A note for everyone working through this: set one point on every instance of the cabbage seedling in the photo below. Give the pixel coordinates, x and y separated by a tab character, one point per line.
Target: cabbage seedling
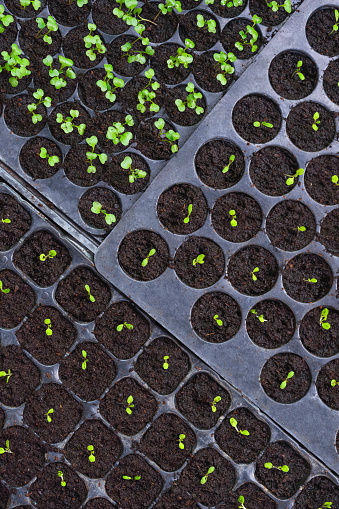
9	374
169	6
118	134
6	450
48	331
316	121
241	501
231	3
39	94
203	480
323	319
191	100
254	271
128	326
145	260
63	482
51	25
88	290
106	86
336	25
297	71
91	457
58	80
165	364
67	124
36	4
97	208
51	255
91	156
52	160
274	6
48	415
284	468
189	212
335	180
210	24
182	57
233	215
214	403
311	280
127	16
80	3
5	19
300	228
217	319
224	68
146	95
137	55
181	441
284	383
7	221
260	317
230	161
290	180
326	505
129	405
2	289
171	136
134	174
199	260
334	383
250	30
234	424
128	478
15	65
93	43
85	360
263	124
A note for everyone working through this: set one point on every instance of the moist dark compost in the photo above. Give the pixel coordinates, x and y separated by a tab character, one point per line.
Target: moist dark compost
15	221
319	179
320	32
330	81
319	331
16	302
231	35
36	166
329	235
203	38
109	205
316	491
327	384
129	180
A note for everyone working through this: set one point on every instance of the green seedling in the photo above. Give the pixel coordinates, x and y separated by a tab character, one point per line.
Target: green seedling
61	475
97	208
297	71
326	505
214	403
128	478
300	228
316	121
7	221
284	383
189	212
48	331
234	424
311	280
250	31
91	156
15	65
67	124
336	25
147	96
165	364
85	359
52	160
210	24
230	161
169	6
39	96
231	3
334	383
254	271
51	255
5	19
129	17
263	124
284	468
182	57
137	55
290	180
181	441
145	260
93	43
88	290
80	3
191	100
275	6
9	374
171	136
36	4
203	480
241	501
260	317
128	326
2	289
217	319
134	174
335	180
199	260
91	457
58	76
48	415
233	215
106	86
323	319
117	132
51	25
6	450
129	405
222	65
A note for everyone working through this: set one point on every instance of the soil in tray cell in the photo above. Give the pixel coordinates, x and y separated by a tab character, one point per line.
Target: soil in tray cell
131	179
142	484
202	37
329	235
242	436
330	81
206	70
36	166
15	303
266	13
101	124
74	47
254	498
320	32
119	59
162	27
99	503
7	88
83	118
129	96
317	491
27	12
163	365
168	433
8	36
320	179
19	120
93	449
202	401
76	167
15	221
176	498
87	371
230	36
225	10
319	331
190	116
164	74
152	142
113	406
327	384
90	93
42	80
106	21
280	483
4	496
105	215
32	43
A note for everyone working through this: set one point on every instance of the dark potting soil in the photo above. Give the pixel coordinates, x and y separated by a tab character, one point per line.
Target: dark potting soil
256	108
176	498
74	47
231	34
211	307
24	12
69	14
226	11
318	179
4	496
32	43
47	349
42	80
24	376
19	120
119	59
129	96
188	266
205	72
270	168
219	482
202	38
101	123
89	383
2	418
194	400
150	365
135	248
330	81
163	73
284	75
242	265
243	448
6	87
316	491
282	225
18	302
276	370
245	221
76	165
110	204
151	142
255	498
172	209
47	491
98	503
163	26
7	38
72	295
134	493
282	484
189	116
34	165
320	34
28	258
113	407
20	221
328	394
27	458
299	270
73	137
329	234
299	126
119	177
278	326
317	340
126	343
162	436
91	94
269	18
107	448
214	157
106	21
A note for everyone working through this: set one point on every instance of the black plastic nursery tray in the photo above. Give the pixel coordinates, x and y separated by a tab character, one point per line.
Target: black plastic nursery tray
228	347
64	193
89	409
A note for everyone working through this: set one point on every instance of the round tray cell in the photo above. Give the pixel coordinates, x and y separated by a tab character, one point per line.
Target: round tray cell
330	81
74	47
8	37
204	37
320	179
255	495
23	83
105	20
101	124
99	503
253	270
119	59
293	74
90	93
270	323
319	331
16	303
76	167
130	178
69	14
18	221
256	118
229	9
290	225
206	70
182	209
162	365
242	447
266	13
329	232
327	384
286	378
78	133
152	142
230	38
270	169
36	166
236	217
42	80
19	120
100	208
307	277
163	26
317	490
164	74
176	497
32	43
199	262
280	483
144	255
129	97
310	126
320	33
216	317
220	163
24	12
185	93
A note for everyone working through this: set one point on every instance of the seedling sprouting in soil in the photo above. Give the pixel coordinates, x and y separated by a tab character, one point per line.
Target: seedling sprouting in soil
91	457
316	121
260	317
171	136
128	326
233	215
169	6
67	124
9	374
275	6
254	271
284	383
5	19
48	415
334	383
145	95
137	55
297	71
2	289
129	405
7	221
15	65
250	31
51	255
6	450
97	208
91	156
230	161
241	501
48	331
284	468
88	290
263	124
117	132
217	319
323	319
234	424
210	24
58	80
335	180
80	3
300	228
106	86
326	505
181	441
39	96
130	16
85	359
134	478
36	4
165	364
93	43
336	25
191	100
134	174
144	262
199	260
290	180
182	57
61	475
214	403
189	212
311	280
203	480
223	67
51	26
52	160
